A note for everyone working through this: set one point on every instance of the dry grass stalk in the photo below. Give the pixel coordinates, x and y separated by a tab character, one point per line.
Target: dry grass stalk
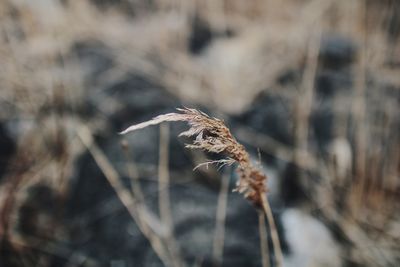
219	235
164	199
212	135
148	224
263	240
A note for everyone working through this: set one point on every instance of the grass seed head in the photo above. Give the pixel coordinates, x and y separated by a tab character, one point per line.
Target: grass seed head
212	135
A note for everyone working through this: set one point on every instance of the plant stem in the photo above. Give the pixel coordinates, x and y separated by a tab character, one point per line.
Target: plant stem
263	239
274	232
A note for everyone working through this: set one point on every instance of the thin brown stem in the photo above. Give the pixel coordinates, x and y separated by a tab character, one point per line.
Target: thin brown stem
263	239
274	232
124	195
164	198
163	177
359	111
219	236
305	102
133	173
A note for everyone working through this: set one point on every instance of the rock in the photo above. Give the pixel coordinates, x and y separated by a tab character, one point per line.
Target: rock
200	36
336	52
269	114
7	149
95	58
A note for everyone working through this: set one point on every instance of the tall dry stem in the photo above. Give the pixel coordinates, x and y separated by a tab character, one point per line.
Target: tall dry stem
164	199
139	213
263	239
219	235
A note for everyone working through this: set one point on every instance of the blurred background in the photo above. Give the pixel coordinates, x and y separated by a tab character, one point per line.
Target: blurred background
310	87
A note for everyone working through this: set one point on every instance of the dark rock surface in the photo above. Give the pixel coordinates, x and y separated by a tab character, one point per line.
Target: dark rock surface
7	148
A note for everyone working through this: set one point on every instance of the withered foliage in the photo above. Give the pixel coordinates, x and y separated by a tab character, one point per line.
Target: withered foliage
212	135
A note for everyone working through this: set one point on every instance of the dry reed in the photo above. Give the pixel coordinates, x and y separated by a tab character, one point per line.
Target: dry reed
212	135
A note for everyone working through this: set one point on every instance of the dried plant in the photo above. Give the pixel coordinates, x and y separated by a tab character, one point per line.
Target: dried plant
212	135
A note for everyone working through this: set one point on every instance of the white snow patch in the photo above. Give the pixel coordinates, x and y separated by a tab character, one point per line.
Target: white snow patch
310	242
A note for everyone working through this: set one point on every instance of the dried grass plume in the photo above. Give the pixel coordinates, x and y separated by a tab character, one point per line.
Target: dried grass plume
212	135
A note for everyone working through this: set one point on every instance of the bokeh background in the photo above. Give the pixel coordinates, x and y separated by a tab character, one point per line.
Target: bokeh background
310	87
